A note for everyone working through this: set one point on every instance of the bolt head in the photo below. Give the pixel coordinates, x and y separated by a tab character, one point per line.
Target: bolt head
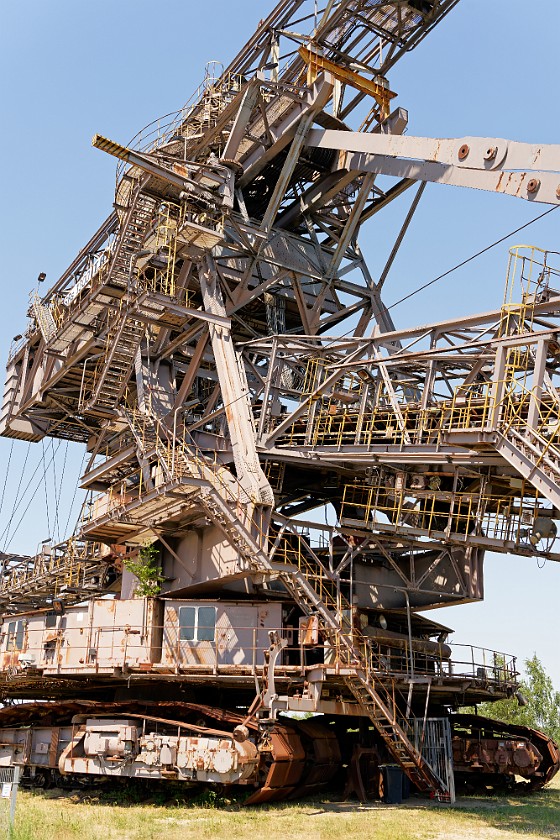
464	151
533	185
491	153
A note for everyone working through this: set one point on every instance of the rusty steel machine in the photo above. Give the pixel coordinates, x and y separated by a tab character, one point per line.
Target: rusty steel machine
279	479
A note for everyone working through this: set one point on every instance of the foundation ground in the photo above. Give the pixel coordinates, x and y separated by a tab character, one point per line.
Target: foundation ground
86	816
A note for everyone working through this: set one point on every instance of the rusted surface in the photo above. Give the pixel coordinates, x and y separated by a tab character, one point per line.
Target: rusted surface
296	758
283	763
323	757
303	758
484	748
196	485
59	713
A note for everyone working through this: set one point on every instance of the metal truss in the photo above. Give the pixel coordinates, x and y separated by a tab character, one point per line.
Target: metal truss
190	344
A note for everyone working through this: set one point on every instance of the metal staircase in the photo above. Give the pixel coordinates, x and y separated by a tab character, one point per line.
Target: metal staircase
223	498
534	457
125	332
311	585
315	590
134	228
43	316
123	342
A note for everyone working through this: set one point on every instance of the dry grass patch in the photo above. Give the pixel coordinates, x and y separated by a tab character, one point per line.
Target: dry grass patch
66	817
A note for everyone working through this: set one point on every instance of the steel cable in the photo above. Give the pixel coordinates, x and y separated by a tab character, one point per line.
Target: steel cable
473	257
6	475
75	493
58	496
16	497
16	507
45	486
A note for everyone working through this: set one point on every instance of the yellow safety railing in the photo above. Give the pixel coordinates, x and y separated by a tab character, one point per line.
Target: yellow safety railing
528	281
458	514
63	565
335	419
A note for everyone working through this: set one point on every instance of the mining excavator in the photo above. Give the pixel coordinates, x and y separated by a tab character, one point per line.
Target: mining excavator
280	481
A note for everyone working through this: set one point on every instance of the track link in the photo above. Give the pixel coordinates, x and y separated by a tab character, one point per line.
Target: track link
297	757
487	750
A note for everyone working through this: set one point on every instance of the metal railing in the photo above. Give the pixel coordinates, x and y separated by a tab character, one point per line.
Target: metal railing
205	105
460	515
337	419
90	646
68	564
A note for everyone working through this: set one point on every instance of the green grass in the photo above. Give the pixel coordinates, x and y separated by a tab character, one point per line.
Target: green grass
82	817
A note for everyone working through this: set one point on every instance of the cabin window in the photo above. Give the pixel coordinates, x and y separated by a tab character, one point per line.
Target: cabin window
10	638
187	622
16	633
50	650
50	619
197	624
206	629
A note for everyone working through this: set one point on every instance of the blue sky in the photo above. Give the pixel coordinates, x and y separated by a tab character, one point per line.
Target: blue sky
70	69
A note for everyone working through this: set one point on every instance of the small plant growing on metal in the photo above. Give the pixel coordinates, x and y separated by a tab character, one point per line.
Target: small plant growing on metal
145	568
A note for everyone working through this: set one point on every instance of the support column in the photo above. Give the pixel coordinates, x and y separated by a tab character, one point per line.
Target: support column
498	385
537	383
234	390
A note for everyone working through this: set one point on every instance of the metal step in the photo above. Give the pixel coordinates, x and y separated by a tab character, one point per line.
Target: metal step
534	460
377	701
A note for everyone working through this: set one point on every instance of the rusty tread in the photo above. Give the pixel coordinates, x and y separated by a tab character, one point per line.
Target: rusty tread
548	748
301	756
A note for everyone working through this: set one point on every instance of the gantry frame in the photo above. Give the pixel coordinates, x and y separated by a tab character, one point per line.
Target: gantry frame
189	344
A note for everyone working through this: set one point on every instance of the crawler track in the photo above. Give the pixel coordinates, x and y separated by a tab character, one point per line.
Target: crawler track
301	757
297	758
473	733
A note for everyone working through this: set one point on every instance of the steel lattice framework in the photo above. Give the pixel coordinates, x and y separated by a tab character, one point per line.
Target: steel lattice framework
192	345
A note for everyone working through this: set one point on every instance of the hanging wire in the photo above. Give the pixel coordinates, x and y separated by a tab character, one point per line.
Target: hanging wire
17	501
74	496
20	502
6	476
45	488
473	257
56	490
58	497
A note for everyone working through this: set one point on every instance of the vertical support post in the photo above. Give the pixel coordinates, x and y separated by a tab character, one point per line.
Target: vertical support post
174	442
430	376
267	388
537	383
409	623
498	385
235	392
409	699
13	798
275	58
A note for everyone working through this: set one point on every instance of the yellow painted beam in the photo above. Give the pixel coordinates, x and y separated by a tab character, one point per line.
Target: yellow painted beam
381	94
109	146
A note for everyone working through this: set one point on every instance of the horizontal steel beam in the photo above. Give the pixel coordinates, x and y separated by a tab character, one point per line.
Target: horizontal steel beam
483	163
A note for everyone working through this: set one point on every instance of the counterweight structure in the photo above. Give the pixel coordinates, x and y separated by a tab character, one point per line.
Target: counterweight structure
222	350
